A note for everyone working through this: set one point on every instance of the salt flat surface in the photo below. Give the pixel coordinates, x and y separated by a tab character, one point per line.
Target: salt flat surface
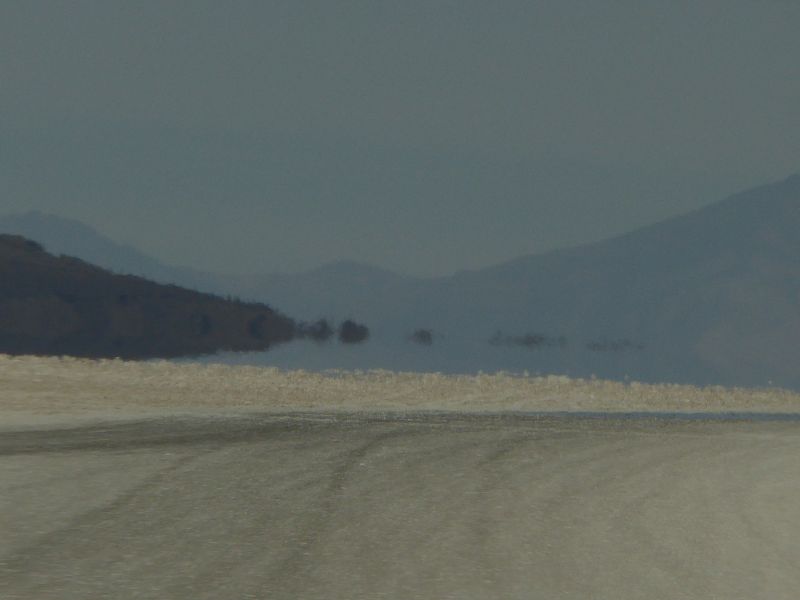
156	480
350	507
50	390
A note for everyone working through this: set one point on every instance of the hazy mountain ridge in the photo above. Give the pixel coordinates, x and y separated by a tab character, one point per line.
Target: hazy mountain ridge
334	290
715	291
712	296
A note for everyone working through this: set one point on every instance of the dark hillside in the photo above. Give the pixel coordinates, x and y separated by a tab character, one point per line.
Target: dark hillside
62	305
60	235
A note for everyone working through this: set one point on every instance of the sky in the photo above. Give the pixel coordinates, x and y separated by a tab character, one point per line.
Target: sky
426	137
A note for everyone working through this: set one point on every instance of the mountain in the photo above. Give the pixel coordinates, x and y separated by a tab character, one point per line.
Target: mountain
69	237
62	305
709	297
339	289
336	290
713	295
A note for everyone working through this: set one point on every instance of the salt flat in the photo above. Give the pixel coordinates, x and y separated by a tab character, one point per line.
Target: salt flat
345	507
152	480
40	390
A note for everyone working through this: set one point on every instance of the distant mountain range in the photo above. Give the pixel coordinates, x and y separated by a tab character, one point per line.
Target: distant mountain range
712	296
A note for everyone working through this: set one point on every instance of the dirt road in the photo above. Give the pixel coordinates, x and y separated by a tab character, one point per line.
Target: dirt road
422	506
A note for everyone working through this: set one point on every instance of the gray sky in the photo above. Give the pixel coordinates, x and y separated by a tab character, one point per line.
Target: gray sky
426	137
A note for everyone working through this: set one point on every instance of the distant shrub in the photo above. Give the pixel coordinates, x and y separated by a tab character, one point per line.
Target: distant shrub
351	332
528	340
319	331
423	337
622	345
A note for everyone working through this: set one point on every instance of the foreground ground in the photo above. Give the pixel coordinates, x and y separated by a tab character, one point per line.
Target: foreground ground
156	480
407	507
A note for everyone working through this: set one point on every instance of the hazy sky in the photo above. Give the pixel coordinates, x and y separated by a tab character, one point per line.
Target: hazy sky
421	136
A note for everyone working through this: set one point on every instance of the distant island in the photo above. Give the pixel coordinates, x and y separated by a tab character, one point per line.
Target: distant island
60	305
